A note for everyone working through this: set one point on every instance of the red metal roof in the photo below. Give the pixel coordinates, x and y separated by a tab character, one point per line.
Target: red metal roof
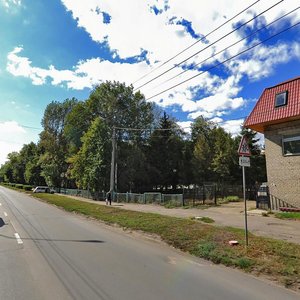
265	113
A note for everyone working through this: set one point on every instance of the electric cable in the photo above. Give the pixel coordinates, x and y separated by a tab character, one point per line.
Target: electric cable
223	50
224	61
208	46
199	40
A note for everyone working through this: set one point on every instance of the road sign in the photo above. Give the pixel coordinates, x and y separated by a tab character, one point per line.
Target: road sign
244	147
244	161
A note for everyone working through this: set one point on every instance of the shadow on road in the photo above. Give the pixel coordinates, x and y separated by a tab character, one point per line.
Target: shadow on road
54	240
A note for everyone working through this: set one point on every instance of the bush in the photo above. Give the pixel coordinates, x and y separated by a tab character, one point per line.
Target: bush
228	199
27	187
233	198
19	186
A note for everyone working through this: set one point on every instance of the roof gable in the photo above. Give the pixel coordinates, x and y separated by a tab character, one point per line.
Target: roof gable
265	113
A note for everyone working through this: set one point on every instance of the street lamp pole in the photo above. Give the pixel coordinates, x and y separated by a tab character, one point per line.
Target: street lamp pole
112	167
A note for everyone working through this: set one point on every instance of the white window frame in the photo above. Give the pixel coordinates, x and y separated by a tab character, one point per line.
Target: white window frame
285	93
290	139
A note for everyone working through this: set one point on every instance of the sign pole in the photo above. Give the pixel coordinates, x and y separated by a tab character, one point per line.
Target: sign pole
245	206
244	161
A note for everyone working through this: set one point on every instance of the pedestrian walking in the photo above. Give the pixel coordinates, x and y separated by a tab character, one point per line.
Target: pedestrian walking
108	198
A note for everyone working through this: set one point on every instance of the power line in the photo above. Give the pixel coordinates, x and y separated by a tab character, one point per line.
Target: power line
224	61
147	129
199	40
24	126
223	50
208	46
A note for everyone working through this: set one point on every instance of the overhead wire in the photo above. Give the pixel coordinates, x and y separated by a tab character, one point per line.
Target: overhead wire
199	40
223	50
24	126
224	61
208	46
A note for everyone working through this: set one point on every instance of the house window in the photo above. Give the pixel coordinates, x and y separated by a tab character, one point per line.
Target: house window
291	145
281	99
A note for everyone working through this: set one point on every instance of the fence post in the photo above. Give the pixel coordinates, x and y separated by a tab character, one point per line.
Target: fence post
215	195
182	199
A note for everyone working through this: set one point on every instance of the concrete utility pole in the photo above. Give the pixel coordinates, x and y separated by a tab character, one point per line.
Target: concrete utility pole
112	167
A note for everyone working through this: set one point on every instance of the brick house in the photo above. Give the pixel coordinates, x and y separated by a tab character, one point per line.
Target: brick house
277	115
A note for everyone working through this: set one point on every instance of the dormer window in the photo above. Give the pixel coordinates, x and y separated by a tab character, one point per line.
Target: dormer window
281	99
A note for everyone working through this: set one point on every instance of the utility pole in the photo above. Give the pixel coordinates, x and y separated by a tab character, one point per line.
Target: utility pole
112	167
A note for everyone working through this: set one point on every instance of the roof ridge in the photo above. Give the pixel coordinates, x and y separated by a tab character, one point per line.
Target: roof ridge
283	82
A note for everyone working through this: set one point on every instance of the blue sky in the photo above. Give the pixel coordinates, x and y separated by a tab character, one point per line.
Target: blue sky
58	49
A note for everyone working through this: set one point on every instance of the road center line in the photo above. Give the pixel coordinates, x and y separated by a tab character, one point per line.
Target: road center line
5	214
19	241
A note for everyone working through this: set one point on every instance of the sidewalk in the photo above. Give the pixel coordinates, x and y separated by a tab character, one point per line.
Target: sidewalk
231	214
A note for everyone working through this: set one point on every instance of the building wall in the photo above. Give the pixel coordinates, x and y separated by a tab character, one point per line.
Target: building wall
283	171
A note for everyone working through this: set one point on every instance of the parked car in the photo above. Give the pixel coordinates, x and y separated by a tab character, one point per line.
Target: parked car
43	189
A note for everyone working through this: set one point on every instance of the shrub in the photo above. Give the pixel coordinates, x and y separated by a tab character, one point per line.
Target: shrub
207	220
27	187
19	186
228	199
233	198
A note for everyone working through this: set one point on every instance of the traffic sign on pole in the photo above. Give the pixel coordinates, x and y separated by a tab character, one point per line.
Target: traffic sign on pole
244	161
244	147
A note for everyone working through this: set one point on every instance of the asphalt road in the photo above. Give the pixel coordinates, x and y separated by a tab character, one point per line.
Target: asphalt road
46	253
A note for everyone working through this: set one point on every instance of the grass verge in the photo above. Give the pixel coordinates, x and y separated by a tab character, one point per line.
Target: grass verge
278	260
204	219
288	215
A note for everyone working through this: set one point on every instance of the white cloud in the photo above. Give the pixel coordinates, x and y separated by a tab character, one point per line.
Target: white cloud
233	126
264	59
185	126
84	75
11	5
10	132
134	27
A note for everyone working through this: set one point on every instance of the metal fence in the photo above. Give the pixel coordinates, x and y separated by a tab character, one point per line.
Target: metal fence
155	198
173	199
150	197
82	193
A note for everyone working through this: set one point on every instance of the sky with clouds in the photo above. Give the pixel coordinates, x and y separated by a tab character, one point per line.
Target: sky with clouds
58	49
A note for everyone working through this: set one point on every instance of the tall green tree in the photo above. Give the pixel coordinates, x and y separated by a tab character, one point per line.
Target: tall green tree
223	156
91	165
165	153
54	143
31	155
203	141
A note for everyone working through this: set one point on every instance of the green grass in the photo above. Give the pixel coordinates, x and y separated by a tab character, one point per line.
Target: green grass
288	215
278	260
204	219
228	199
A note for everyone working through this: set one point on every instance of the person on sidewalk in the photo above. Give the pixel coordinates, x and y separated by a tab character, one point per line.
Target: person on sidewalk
108	198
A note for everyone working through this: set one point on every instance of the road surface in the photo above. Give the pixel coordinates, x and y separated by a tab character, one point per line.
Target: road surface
46	253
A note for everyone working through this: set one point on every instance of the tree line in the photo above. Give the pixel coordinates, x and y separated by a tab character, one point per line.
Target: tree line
153	152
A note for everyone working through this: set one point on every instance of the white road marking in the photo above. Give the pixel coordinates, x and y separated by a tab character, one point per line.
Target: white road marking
18	238
0	204
5	214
